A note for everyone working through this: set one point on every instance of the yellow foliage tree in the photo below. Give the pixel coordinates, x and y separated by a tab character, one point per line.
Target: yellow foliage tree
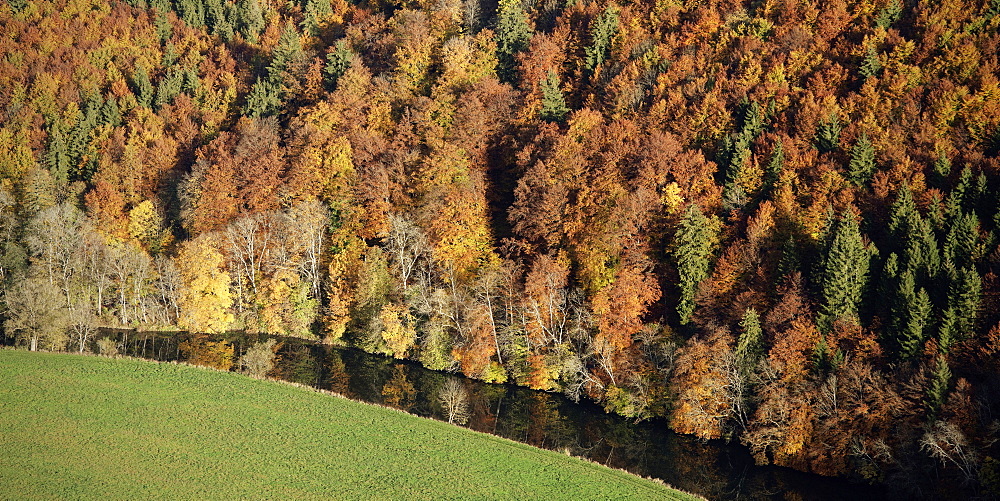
204	298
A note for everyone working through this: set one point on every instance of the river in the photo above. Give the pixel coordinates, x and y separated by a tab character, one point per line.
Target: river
712	469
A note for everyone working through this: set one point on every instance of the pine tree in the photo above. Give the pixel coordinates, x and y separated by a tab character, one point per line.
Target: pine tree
553	104
170	87
772	173
57	159
843	272
942	168
602	31
961	242
695	240
264	99
512	34
965	292
862	165
287	53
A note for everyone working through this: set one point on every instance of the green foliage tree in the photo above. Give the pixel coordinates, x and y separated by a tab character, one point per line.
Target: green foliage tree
938	389
553	103
750	345
828	134
862	164
513	32
602	30
843	273
889	14
249	20
337	63
695	241
870	64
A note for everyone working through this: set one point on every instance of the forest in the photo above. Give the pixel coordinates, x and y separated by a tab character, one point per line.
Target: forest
773	222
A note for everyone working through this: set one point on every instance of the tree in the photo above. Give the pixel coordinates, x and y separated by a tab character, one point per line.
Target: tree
258	360
862	164
203	297
602	30
454	400
513	34
843	273
337	63
553	104
36	313
695	240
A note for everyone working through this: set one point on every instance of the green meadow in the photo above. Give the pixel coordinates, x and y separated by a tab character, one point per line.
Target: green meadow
76	427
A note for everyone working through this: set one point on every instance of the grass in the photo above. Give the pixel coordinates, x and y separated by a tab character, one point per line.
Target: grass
75	427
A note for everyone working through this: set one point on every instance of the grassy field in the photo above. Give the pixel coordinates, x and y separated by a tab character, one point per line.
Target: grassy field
76	427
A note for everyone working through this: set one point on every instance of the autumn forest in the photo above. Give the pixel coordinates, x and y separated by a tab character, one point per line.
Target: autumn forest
773	222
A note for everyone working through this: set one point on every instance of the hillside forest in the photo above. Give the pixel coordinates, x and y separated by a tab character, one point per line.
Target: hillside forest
774	222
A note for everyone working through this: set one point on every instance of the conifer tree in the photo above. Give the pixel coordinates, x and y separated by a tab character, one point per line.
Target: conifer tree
337	63
57	159
843	272
961	242
749	347
828	134
964	298
695	240
911	316
553	103
938	389
142	87
249	20
512	34
870	65
602	31
862	165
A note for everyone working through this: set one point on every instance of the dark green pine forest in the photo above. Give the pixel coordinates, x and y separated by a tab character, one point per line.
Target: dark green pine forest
772	222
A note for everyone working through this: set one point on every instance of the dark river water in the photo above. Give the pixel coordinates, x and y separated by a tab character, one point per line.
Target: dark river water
648	448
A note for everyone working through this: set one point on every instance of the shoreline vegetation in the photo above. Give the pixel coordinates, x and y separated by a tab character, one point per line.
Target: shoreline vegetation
88	427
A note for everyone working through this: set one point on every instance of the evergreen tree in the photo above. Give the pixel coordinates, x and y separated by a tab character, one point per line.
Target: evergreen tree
749	347
313	13
57	159
287	53
938	389
772	172
870	64
249	20
337	63
843	272
862	165
170	87
553	104
192	12
602	31
828	134
142	87
110	113
512	34
911	316
942	168
889	14
694	242
965	292
264	99
961	242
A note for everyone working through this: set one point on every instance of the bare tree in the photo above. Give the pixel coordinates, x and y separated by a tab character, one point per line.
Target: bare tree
454	399
36	311
407	245
305	224
947	443
250	242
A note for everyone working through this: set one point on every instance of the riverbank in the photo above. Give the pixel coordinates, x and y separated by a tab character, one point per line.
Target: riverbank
87	427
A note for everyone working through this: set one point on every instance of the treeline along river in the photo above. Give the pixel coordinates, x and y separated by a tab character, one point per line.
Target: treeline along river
712	469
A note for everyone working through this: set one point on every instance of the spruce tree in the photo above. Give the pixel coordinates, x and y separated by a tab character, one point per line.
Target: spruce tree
938	390
862	164
249	20
911	316
512	35
843	272
870	64
965	293
602	30
942	168
961	242
142	87
337	63
553	103
57	159
749	347
693	252
828	134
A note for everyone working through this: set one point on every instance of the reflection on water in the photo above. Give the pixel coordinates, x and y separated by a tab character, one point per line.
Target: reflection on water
713	470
